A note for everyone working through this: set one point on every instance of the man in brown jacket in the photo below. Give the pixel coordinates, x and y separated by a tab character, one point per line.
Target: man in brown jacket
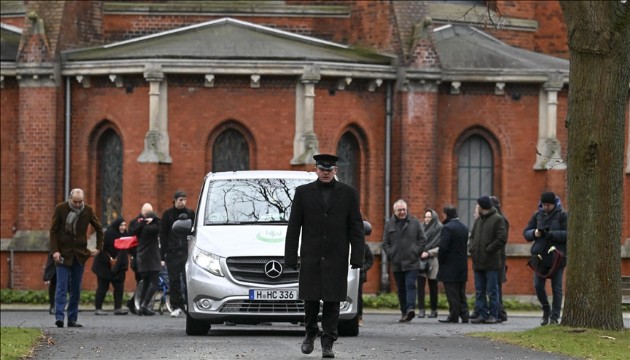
68	244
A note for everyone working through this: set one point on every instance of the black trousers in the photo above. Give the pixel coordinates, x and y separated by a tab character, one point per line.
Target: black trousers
433	293
149	286
176	267
52	288
102	287
456	296
330	319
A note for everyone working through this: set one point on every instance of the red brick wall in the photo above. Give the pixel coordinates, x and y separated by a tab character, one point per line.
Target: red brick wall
9	115
36	137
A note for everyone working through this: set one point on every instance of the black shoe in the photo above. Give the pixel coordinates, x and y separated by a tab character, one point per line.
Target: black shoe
553	322
327	352
307	344
73	323
433	314
448	320
545	318
410	315
478	320
146	311
59	323
490	320
473	316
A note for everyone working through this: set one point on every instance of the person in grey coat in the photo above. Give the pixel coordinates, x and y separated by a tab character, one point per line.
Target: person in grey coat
453	259
487	239
403	242
432	228
328	215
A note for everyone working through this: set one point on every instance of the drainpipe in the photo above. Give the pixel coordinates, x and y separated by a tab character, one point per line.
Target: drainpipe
66	160
388	154
10	269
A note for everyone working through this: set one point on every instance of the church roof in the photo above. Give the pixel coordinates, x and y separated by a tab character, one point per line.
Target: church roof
465	48
228	39
9	42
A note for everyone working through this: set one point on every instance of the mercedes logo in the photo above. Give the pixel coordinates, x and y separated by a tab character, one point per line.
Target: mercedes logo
273	269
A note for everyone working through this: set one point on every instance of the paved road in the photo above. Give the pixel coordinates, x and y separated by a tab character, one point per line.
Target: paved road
162	337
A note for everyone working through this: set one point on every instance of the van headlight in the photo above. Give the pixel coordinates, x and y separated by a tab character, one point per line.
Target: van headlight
207	261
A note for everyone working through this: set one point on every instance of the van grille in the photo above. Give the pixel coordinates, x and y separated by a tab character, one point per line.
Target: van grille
259	306
252	270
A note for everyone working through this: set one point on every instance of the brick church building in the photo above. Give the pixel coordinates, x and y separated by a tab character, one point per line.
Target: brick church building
435	102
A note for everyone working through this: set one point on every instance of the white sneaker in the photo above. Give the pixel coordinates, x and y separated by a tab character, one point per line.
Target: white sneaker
176	312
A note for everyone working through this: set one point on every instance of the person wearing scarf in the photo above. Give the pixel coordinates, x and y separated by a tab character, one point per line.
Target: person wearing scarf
432	228
68	244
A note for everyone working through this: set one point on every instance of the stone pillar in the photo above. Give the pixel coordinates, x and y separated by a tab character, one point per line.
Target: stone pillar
156	142
548	149
305	143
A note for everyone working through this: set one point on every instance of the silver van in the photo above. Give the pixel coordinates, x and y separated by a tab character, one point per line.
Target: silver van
235	270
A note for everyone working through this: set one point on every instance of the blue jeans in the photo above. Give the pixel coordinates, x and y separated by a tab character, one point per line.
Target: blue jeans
556	289
487	288
72	275
406	284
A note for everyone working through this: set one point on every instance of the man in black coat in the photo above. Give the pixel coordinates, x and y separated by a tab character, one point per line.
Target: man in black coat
174	250
327	213
453	269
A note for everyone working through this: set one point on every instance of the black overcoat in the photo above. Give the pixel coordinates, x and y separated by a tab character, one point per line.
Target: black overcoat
101	264
327	235
453	255
148	250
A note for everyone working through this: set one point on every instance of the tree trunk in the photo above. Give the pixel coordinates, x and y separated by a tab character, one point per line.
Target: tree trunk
599	44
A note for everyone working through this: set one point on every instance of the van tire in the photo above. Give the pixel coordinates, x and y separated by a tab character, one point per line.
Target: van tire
196	327
348	327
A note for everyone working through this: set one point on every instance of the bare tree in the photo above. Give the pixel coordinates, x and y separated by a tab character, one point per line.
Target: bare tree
599	44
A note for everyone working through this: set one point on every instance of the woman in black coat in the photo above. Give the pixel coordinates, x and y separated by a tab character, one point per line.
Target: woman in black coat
50	279
148	257
110	266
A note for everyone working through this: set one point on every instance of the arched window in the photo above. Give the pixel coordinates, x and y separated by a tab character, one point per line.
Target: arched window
109	182
474	176
348	165
230	152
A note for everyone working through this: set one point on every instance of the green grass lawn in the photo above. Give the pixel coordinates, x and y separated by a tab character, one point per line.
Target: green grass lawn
15	343
582	343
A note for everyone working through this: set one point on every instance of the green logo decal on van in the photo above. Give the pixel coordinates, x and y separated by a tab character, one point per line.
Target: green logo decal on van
271	236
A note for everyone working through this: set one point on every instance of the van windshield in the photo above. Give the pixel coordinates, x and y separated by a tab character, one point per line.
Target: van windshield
250	201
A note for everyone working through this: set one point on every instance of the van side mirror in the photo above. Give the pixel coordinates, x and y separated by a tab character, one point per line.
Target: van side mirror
367	228
182	227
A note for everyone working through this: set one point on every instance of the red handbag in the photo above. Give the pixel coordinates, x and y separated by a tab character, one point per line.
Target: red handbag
126	242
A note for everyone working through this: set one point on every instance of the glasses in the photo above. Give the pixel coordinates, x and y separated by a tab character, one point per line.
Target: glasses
400	210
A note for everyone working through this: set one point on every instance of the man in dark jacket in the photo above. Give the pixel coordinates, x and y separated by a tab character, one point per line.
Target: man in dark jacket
547	228
486	241
328	215
403	242
453	265
174	250
68	244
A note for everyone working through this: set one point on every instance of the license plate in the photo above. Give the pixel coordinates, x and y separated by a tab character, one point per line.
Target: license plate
273	294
